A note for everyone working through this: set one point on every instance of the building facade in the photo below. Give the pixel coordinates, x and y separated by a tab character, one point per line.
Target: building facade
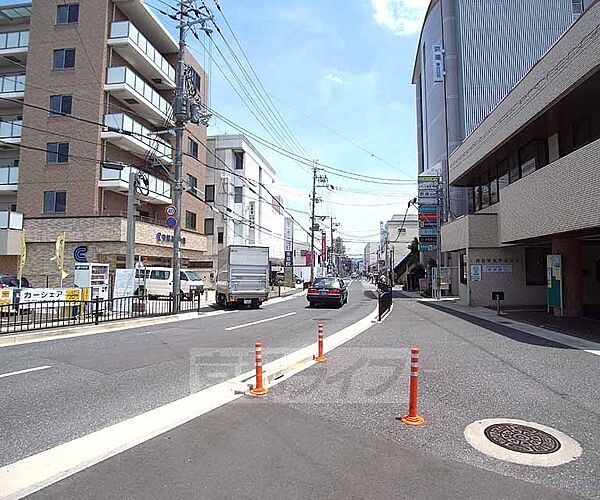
85	98
240	187
371	256
531	168
470	54
400	231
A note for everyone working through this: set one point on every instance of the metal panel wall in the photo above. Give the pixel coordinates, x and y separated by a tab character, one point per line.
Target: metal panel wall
500	41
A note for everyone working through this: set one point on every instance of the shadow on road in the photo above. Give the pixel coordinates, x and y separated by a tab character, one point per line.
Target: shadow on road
505	331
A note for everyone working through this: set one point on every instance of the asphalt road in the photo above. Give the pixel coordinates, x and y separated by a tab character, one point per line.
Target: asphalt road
97	380
331	431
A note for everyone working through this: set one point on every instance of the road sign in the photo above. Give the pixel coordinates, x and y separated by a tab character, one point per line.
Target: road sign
171	221
427	239
426	247
428	209
171	210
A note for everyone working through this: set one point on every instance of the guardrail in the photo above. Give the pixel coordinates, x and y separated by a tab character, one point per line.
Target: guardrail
21	316
384	299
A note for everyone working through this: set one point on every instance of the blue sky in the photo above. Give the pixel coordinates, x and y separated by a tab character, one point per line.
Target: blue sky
344	64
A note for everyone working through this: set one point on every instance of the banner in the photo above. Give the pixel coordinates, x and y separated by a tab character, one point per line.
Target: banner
59	256
22	257
323	246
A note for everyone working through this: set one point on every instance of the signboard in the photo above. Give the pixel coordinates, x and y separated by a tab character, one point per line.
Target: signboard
428	209
497	295
288	260
79	254
171	221
323	246
428	217
498	268
438	62
6	298
554	286
309	258
167	238
124	287
427	247
476	273
49	294
428	239
288	233
170	210
427	224
428	232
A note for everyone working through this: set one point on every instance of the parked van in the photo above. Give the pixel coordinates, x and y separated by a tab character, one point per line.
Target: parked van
158	282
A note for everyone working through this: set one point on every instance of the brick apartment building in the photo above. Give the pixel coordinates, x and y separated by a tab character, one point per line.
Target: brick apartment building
66	69
532	170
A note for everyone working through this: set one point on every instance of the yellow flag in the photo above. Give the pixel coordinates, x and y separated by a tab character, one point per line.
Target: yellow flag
59	255
23	256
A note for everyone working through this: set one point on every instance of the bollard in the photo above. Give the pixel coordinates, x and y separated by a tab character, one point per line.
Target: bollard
413	418
320	356
258	389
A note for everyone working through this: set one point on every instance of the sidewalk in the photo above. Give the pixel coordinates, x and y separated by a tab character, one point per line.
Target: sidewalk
331	431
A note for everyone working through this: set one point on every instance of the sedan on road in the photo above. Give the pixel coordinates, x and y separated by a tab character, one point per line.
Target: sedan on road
328	291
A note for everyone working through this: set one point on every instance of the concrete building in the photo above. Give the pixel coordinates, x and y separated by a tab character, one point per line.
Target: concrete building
67	69
240	185
400	233
371	254
531	168
470	55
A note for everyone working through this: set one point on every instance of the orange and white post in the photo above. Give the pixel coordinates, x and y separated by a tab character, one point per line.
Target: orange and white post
320	356
258	389
413	417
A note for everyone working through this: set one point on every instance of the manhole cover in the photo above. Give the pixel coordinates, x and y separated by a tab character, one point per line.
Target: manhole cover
522	439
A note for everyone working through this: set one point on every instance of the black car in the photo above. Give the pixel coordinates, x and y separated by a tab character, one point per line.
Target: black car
13	282
329	291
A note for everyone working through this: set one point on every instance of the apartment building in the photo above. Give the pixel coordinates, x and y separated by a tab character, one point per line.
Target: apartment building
400	232
470	54
371	254
85	87
531	168
240	186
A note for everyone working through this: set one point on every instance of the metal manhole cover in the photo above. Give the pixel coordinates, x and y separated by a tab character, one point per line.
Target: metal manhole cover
522	438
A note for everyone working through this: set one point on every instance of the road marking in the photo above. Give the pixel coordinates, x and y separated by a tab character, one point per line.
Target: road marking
37	368
258	322
38	471
597	353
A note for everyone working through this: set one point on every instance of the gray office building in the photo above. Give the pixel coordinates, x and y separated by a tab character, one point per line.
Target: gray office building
471	53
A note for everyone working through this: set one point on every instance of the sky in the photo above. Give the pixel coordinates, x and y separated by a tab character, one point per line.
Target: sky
339	72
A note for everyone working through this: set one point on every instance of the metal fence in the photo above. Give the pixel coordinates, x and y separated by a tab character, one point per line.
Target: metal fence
28	316
384	299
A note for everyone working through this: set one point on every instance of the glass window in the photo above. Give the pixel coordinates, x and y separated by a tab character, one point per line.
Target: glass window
493	186
57	152
535	266
220	237
196	80
183	276
55	201
192	184
577	6
485	191
502	174
238	229
209	226
159	274
209	192
190	220
192	148
581	133
463	268
528	158
477	198
64	59
238	194
61	105
239	159
66	14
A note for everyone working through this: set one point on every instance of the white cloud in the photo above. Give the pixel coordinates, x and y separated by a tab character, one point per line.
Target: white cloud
401	17
333	78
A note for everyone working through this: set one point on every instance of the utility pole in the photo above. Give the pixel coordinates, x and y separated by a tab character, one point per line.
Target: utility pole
182	112
312	224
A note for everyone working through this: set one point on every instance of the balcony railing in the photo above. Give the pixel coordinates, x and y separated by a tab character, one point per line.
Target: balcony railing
136	85
12	84
121	122
9	176
10	129
14	40
126	30
11	220
158	190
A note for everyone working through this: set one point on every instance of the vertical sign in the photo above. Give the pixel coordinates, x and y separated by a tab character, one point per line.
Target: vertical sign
323	247
428	186
554	291
252	219
438	63
288	242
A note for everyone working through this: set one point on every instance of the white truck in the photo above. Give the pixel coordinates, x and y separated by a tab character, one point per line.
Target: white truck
242	276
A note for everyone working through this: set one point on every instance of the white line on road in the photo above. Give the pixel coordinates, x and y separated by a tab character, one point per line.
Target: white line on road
37	368
261	321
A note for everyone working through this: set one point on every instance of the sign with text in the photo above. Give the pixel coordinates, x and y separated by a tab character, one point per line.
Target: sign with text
438	62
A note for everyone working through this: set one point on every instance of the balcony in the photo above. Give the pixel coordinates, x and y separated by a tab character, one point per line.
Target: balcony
11	229
10	133
14	43
12	87
479	230
159	191
125	133
9	178
127	86
134	47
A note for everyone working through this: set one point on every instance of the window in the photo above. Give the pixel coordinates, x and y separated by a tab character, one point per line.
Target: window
64	59
577	6
535	266
55	202
485	191
533	156
192	148
463	268
190	220
61	105
220	237
192	183
581	133
209	226
493	187
477	198
57	152
238	194
502	174
196	80
238	229
159	274
239	159
66	14
209	192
